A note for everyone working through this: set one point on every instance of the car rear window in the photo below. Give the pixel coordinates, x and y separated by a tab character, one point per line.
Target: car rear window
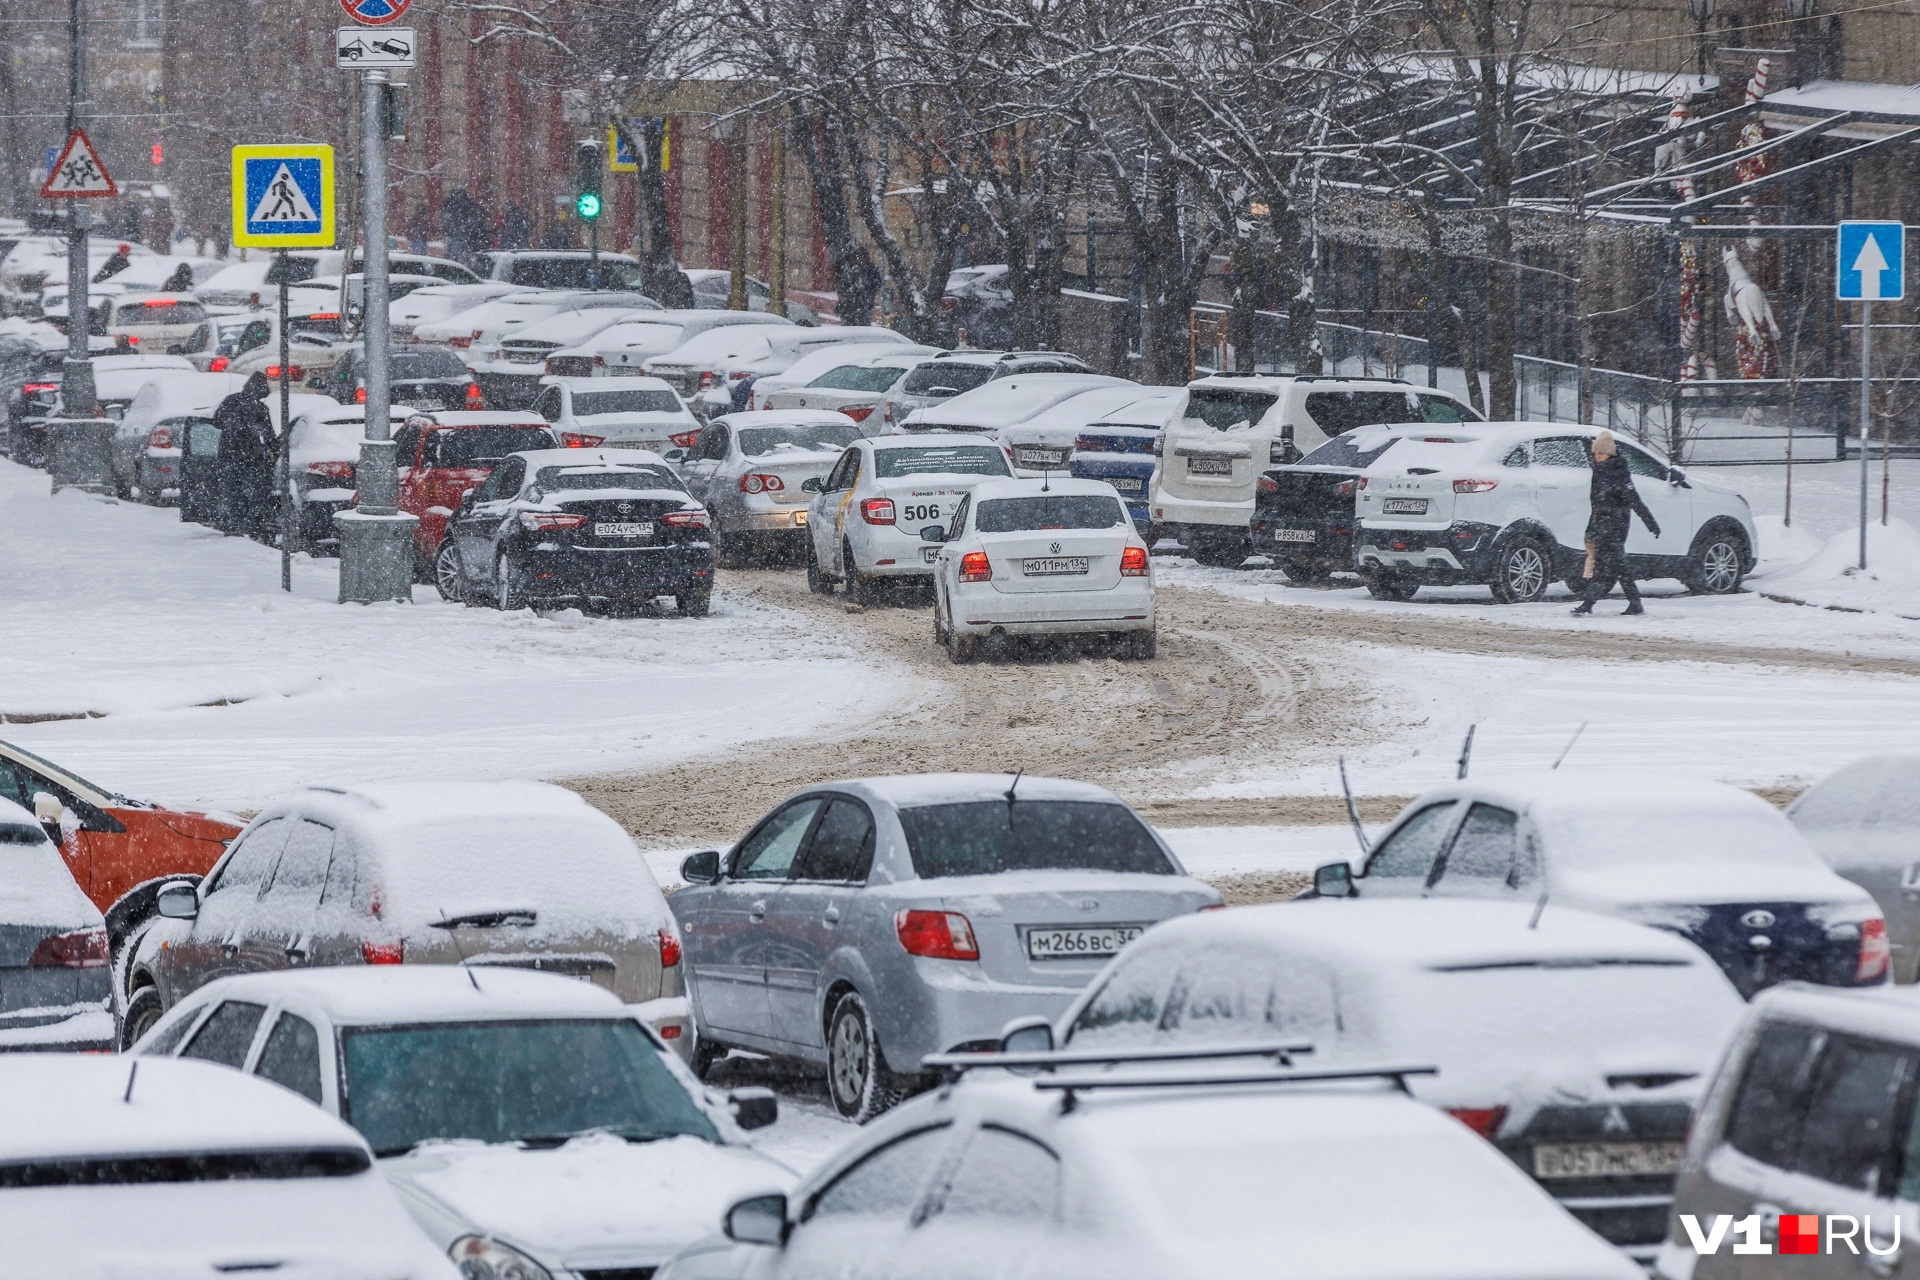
983	837
966	459
567	273
758	442
1050	511
160	313
930	378
561	478
1223	410
1334	411
853	377
1354	449
588	403
430	363
1223	992
482	446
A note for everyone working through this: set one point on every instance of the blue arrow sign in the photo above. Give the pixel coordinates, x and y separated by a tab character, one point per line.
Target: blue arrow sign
1870	262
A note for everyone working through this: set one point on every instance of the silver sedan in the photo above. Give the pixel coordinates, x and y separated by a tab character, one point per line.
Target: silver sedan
751	469
863	925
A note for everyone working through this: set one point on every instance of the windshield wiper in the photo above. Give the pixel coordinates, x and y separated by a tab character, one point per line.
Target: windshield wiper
547	1141
513	915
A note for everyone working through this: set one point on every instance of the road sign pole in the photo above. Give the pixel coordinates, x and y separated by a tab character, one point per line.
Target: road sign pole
76	381
283	469
1866	415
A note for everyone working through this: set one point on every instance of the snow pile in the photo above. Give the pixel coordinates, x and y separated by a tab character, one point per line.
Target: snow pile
1831	578
1783	547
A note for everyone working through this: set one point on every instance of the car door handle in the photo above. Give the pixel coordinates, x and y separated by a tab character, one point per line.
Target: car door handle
758	911
831	915
296	952
231	948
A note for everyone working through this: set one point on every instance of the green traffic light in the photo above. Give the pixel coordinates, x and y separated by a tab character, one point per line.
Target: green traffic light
588	205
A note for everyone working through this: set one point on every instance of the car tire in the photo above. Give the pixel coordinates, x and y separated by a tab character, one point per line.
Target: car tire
143	1010
962	649
1143	645
939	629
1221	555
856	1074
862	589
447	579
1399	587
509	588
1306	573
1522	570
695	603
817	582
705	1054
729	549
1715	566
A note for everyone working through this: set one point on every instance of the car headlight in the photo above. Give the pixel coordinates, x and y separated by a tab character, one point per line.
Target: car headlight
482	1259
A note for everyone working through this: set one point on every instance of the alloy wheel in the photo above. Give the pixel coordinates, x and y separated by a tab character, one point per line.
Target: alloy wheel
1526	573
1720	567
847	1059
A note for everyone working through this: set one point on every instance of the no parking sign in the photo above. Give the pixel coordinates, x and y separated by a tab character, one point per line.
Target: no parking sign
375	13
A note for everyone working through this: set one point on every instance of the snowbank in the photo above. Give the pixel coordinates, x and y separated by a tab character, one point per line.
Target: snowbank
1832	579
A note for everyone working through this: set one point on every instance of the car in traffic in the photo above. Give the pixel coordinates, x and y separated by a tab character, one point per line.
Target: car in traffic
712	287
419	378
323	462
156	322
144	452
865	517
443	456
616	413
229	336
55	990
525	1119
1864	819
863	925
1713	863
418	873
1122	447
1575	1043
1507	504
240	285
751	471
1304	513
157	1167
623	349
438	302
998	406
118	378
823	360
1041	560
951	373
709	368
597	527
855	389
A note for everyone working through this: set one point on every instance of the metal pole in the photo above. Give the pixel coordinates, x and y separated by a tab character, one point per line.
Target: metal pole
1866	413
76	390
593	254
777	212
283	468
376	477
737	240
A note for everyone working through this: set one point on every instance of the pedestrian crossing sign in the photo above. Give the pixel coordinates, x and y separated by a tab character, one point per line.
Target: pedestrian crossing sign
283	196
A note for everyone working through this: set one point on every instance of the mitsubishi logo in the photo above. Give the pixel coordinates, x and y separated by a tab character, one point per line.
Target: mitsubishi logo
1758	918
1616	1122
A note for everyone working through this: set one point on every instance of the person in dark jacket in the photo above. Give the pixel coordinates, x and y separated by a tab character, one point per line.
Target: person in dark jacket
117	262
1615	502
245	462
181	281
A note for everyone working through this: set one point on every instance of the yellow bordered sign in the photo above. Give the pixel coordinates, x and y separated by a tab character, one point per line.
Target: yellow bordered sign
283	196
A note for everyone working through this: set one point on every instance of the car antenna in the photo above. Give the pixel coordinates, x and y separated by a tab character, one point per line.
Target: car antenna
1570	741
133	1069
453	936
1017	775
1538	907
1466	752
1353	812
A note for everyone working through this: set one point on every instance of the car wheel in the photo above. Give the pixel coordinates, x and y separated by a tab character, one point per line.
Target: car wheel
510	588
817	582
855	1072
1716	563
1305	573
705	1054
939	627
1521	571
962	649
729	549
1221	555
1391	586
446	574
1142	645
695	603
143	1010
863	589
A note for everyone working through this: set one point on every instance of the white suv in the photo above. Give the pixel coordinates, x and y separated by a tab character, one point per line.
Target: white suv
1506	504
1237	425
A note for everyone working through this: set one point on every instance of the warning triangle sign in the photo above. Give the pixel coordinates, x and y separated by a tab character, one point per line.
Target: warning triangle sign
283	201
78	173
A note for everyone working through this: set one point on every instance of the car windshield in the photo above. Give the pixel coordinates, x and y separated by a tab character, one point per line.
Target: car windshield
587	404
758	442
966	459
853	377
1050	511
559	478
930	378
512	1082
1649	836
1223	409
482	446
161	313
982	837
430	363
569	273
1355	449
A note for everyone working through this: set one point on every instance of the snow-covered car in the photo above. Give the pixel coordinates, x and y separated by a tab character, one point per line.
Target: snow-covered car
1121	448
443	455
513	874
1130	1171
515	377
1806	1124
440	302
232	335
559	269
1045	441
166	1168
475	331
751	471
1237	425
807	368
865	924
118	378
145	451
252	283
157	322
421	378
54	981
594	526
1036	415
1574	1042
1715	864
1864	819
951	373
855	389
707	369
1507	504
617	413
865	517
525	1120
509	374
712	286
1304	513
1041	558
624	349
323	456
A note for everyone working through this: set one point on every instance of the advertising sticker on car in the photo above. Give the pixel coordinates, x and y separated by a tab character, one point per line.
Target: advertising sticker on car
1403	506
628	529
1076	942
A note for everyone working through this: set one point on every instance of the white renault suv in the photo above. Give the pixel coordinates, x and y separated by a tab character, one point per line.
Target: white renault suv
1506	504
1237	425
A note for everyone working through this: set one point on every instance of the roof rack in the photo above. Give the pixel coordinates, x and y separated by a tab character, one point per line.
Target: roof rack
1341	377
1071	1085
958	1063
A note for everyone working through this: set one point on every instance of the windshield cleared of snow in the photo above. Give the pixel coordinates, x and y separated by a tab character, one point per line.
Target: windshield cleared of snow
758	442
853	377
559	479
951	459
1224	410
945	376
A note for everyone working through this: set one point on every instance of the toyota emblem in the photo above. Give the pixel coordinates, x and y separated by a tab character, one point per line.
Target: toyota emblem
623	507
1758	918
1054	547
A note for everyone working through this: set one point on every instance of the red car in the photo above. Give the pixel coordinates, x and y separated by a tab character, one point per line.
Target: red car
120	851
443	454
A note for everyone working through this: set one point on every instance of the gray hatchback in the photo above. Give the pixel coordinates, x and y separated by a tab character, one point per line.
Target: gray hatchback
863	925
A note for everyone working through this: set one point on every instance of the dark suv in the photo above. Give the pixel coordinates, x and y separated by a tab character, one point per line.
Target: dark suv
949	373
422	378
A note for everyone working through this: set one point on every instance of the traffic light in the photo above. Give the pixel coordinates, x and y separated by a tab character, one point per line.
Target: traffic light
589	154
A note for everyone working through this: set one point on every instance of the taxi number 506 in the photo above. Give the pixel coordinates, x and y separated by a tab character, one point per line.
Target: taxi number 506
910	512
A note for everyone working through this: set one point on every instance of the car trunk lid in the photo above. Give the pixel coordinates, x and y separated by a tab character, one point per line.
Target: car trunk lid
1054	560
1058	928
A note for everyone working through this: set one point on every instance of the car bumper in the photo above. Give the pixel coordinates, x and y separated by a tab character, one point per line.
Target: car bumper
1462	551
160	475
1328	543
84	1027
956	1005
670	1018
980	610
515	390
621	571
790	520
1172	509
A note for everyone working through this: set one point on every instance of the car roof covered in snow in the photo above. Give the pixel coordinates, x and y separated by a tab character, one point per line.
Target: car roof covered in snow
1576	789
1012	399
787	418
369	994
479	417
908	790
927	440
538	458
1885	1012
988	490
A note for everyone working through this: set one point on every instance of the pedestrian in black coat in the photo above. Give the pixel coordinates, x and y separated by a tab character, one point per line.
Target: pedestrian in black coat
248	451
1615	502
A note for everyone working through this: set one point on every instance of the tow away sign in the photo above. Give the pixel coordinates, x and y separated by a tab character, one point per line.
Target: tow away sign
356	47
77	172
283	196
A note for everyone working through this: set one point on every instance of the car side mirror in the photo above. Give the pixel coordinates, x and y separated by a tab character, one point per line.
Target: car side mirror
674	455
466	499
754	1108
1334	880
758	1220
701	868
1031	1034
933	533
1677	478
48	812
177	901
811	485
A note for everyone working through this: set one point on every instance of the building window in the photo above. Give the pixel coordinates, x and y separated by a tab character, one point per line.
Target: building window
143	23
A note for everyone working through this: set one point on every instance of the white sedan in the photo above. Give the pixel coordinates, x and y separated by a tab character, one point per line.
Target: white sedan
1041	558
616	413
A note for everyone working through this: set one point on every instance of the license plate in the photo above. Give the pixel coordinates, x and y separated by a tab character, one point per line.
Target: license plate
1045	942
1127	484
930	554
800	519
1293	535
627	530
1054	566
1209	466
1040	457
1605	1159
1403	506
525	357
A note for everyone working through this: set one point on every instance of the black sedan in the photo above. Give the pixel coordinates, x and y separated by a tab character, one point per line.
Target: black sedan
1303	513
425	378
586	526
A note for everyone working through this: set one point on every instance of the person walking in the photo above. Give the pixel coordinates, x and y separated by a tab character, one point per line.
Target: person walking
1615	502
245	461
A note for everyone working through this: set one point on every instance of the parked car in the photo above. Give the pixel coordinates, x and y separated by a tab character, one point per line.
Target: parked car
30	404
243	284
1805	1127
865	924
1045	441
197	437
866	516
596	526
323	459
1864	819
706	368
521	369
118	378
155	322
1238	425
439	302
54	985
169	1168
1575	1043
1715	864
855	389
418	873
623	350
442	456
617	413
484	323
751	472
712	286
445	270
420	378
144	453
1112	1169
1507	505
527	1120
558	269
1121	448
1041	559
1304	514
228	336
807	368
997	406
950	373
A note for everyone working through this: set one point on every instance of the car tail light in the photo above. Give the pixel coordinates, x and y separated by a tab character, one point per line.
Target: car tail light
32	387
877	510
949	302
1360	482
739	376
1474	486
383	952
684	439
685	519
1344	488
331	470
756	482
859	413
463	343
294	371
1485	1121
548	521
360	394
1267	484
1876	951
707	379
130	339
324	315
670	1032
475	401
974	567
669	949
938	935
81	949
886	411
218	364
577	440
160	438
599	362
1133	562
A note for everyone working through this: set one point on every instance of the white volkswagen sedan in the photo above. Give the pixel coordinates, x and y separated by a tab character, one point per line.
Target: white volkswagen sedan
869	513
1041	558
